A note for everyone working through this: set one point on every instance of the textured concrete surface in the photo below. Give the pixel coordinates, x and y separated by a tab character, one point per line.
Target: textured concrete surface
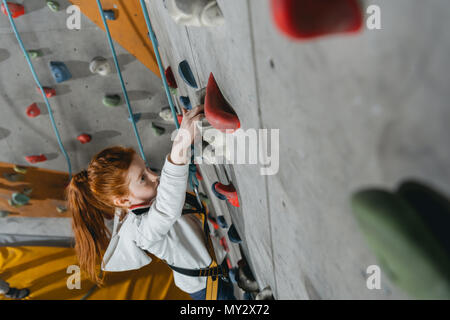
353	111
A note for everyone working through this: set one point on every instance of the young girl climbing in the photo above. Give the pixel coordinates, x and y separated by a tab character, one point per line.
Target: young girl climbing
147	212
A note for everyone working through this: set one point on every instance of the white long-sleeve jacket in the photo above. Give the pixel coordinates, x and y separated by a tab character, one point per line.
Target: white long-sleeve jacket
162	231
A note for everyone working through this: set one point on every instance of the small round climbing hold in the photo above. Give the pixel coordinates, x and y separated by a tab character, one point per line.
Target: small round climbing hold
4	213
60	71
157	130
218	111
213	222
36	158
34	53
100	66
84	138
186	74
112	100
109	14
186	102
53	5
20	199
13	177
227	191
233	235
170	78
61	209
49	92
136	117
20	169
27	191
33	110
16	9
222	222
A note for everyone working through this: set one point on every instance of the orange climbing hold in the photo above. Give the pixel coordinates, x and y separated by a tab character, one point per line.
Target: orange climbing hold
33	110
49	92
307	19
36	159
229	191
16	9
84	138
218	112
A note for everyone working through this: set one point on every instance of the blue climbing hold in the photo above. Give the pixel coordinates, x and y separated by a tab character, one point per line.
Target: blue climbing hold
233	235
218	195
232	273
222	222
136	116
186	102
60	71
186	74
109	14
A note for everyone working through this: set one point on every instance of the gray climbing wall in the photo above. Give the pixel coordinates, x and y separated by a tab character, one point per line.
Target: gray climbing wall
353	111
78	105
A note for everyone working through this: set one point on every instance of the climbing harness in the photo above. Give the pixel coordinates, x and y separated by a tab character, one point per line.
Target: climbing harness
213	271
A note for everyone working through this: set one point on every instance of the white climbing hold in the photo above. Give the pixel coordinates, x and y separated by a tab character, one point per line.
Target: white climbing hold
100	66
197	13
166	115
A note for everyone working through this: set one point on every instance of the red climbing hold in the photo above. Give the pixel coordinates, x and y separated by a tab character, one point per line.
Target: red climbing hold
229	192
36	159
16	9
33	110
198	174
217	110
84	138
170	78
49	92
307	19
179	118
224	244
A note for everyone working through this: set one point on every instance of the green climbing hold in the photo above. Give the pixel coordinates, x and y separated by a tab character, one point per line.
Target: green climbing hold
53	5
158	131
173	91
20	199
407	251
27	191
13	177
34	53
112	100
61	209
20	169
4	213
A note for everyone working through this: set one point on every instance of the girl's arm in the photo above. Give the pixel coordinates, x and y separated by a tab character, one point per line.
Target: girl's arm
171	193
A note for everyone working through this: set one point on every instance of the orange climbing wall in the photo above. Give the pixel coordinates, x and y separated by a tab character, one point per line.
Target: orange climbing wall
48	191
129	28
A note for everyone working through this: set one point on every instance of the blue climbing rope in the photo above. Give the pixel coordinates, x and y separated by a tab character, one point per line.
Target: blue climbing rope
124	89
36	79
192	167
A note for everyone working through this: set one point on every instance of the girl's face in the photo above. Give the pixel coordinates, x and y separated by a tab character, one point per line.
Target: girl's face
143	184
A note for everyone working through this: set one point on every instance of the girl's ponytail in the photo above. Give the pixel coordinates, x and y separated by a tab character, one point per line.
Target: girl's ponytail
90	196
90	231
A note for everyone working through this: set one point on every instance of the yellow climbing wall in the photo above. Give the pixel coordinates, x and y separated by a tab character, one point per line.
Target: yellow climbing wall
129	28
47	191
43	270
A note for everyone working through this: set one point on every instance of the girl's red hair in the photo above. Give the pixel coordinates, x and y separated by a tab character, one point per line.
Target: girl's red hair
90	196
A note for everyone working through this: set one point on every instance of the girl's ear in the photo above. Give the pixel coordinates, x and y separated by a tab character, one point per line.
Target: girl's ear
121	202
